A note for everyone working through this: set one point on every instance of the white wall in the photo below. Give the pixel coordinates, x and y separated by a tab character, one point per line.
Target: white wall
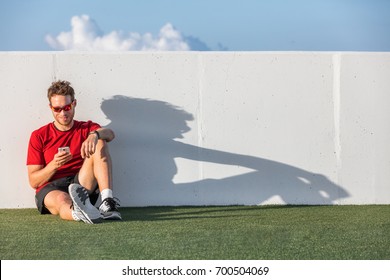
214	128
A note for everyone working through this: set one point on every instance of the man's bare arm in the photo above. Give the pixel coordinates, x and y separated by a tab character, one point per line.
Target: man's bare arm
106	134
89	145
39	174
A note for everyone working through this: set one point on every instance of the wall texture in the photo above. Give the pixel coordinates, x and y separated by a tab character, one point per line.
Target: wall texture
210	128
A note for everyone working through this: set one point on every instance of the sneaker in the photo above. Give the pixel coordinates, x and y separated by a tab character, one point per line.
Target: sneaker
83	209
109	209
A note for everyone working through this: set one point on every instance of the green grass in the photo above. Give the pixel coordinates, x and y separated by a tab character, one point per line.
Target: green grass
231	232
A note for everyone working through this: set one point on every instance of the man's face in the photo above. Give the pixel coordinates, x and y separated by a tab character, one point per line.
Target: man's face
58	102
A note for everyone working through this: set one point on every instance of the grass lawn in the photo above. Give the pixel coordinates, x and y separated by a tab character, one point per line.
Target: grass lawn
220	232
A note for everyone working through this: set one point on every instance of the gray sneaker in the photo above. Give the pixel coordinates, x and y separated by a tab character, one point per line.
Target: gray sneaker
109	209
82	206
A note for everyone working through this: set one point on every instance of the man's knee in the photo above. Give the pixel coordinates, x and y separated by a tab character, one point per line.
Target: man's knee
54	200
101	152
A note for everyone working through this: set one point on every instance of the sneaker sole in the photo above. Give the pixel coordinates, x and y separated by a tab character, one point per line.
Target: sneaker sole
83	217
113	216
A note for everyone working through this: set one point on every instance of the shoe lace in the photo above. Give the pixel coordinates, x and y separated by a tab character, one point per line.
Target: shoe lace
112	203
83	194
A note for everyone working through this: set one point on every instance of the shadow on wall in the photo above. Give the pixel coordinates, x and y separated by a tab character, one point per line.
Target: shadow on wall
144	167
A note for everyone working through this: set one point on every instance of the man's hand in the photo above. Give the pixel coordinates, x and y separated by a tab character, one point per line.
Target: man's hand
88	147
61	158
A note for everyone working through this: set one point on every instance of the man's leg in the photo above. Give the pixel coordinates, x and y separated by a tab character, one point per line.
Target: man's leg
70	202
98	170
59	203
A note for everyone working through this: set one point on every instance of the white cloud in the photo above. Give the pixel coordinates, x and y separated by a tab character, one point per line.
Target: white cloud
86	36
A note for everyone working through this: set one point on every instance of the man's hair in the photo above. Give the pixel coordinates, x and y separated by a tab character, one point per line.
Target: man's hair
60	88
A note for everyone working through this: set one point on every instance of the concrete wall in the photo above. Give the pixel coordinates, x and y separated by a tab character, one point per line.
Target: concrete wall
198	128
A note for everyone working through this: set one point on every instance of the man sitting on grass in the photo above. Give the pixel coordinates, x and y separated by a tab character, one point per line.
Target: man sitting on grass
69	163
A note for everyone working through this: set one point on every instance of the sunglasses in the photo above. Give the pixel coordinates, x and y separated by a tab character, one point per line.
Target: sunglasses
66	108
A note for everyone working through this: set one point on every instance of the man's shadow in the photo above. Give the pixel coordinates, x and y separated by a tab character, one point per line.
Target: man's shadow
145	150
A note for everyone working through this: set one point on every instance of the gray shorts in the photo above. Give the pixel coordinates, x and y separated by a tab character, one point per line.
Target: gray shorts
60	184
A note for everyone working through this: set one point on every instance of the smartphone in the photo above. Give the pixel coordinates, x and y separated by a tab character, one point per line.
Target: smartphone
64	149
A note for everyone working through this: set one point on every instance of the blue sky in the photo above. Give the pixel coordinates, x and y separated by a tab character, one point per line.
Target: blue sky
235	25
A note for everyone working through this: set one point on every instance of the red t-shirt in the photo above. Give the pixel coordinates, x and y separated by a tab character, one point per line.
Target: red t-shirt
45	141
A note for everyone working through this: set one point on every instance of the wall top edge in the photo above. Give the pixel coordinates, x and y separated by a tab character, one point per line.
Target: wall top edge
187	52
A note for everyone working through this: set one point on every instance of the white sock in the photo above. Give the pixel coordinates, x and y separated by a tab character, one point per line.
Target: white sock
106	193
